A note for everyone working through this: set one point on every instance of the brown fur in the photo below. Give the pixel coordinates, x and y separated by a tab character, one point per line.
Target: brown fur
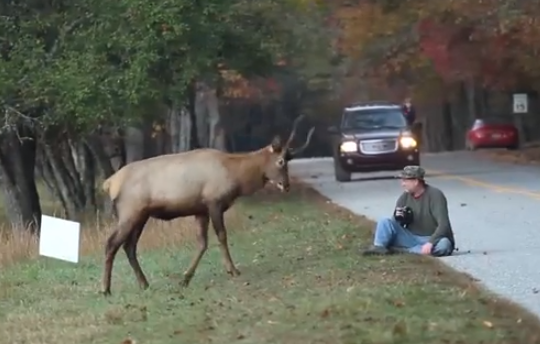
203	183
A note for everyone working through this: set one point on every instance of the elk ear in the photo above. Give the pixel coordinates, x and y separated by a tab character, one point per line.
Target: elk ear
276	146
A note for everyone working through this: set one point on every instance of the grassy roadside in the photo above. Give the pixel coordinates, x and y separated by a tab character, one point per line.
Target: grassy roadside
302	282
529	154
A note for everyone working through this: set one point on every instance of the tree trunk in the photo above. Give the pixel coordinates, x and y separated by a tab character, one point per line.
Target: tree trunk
134	144
216	135
87	171
202	116
190	108
96	145
62	179
174	130
447	123
180	129
17	178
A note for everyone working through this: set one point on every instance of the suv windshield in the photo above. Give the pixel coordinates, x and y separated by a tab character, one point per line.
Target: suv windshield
374	118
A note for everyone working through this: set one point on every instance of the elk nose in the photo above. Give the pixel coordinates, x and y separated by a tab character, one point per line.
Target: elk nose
283	187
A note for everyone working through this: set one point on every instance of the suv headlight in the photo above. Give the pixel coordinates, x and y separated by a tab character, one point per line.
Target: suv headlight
348	147
407	142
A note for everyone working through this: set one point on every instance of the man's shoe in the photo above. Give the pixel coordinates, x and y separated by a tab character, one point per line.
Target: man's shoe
398	250
376	251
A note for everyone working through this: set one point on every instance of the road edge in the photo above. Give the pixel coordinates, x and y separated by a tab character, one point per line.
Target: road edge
497	303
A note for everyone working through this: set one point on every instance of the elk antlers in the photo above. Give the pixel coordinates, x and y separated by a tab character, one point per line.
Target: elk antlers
292	152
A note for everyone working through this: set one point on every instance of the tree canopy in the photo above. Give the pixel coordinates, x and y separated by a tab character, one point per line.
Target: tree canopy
494	42
82	64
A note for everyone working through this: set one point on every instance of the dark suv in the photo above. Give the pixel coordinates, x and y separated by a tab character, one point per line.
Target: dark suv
373	136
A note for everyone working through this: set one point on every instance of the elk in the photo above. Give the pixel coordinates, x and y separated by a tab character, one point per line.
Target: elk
203	183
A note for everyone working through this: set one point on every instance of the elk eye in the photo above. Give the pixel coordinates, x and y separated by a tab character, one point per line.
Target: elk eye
280	162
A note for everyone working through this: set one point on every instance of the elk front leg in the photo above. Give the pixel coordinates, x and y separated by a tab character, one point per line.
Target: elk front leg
202	240
219	227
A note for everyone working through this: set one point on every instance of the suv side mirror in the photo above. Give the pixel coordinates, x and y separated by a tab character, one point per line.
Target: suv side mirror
332	129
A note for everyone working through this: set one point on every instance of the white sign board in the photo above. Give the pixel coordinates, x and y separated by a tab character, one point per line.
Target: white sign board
59	239
521	103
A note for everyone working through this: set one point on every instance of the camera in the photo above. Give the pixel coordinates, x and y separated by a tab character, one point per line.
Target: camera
404	216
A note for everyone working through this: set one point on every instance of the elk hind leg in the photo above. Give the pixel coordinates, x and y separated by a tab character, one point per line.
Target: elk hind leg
130	247
202	239
115	240
221	232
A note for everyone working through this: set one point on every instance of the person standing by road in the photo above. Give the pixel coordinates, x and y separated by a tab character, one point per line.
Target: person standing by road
426	230
409	111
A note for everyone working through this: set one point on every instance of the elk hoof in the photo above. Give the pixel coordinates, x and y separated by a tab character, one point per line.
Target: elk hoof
106	292
233	272
186	281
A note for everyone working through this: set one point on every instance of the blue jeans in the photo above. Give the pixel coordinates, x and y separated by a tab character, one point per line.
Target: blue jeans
389	233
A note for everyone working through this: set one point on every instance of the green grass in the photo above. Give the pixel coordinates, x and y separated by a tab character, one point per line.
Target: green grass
302	281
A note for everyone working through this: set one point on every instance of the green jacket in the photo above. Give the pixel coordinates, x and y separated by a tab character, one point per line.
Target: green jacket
430	214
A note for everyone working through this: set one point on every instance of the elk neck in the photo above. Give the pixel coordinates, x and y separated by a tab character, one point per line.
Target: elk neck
248	170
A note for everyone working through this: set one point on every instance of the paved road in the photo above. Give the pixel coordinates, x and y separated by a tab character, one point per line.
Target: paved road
494	208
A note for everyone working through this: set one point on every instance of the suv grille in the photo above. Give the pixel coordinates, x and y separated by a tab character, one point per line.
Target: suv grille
380	146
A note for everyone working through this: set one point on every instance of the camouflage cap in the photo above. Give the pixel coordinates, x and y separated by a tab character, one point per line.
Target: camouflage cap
412	172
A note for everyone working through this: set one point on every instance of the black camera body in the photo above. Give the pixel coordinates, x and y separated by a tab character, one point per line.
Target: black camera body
405	217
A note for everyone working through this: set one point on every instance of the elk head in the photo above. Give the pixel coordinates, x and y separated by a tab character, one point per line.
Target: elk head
276	170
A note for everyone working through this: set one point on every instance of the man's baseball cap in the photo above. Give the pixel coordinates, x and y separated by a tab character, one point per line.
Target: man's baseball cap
412	172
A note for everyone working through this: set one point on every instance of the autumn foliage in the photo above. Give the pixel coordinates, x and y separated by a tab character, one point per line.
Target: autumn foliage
494	42
237	86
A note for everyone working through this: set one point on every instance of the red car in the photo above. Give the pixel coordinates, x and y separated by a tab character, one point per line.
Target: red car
492	133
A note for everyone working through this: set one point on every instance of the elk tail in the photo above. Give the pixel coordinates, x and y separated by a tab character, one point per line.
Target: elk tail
113	184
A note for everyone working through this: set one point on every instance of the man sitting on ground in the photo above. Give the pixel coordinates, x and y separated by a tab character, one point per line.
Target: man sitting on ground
429	233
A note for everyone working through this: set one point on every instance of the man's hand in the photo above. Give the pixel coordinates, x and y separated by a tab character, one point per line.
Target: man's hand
426	248
398	211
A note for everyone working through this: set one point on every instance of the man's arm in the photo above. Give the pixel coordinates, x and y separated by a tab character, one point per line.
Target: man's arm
401	201
439	209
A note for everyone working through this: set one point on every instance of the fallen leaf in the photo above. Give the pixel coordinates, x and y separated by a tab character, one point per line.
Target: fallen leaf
399	303
488	324
325	313
400	328
519	321
349	289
